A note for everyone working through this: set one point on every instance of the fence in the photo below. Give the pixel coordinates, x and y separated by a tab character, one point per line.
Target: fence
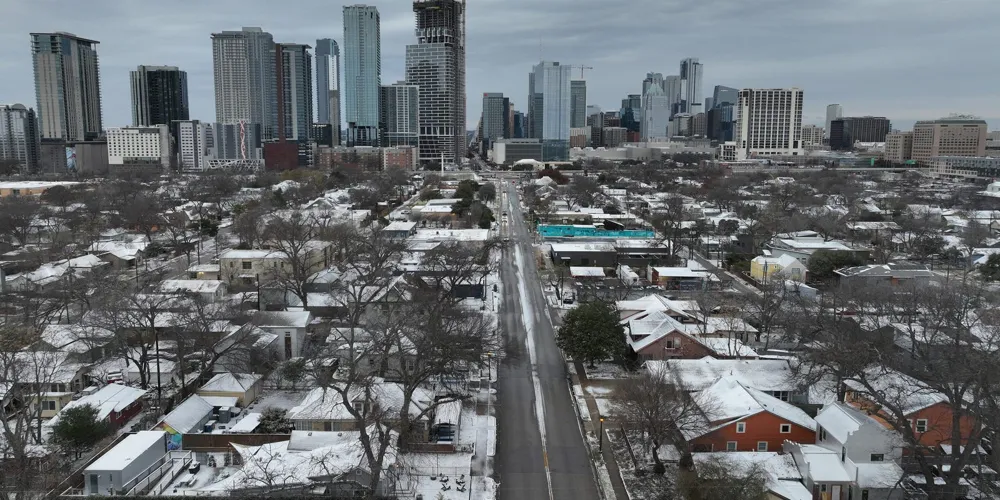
173	462
628	446
221	442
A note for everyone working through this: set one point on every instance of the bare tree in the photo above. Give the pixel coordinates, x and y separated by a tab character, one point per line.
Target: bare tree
657	405
293	237
720	477
17	213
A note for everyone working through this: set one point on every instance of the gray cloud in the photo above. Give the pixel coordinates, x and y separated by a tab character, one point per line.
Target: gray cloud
906	59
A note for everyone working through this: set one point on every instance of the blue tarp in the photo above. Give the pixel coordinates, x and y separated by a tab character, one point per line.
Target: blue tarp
556	231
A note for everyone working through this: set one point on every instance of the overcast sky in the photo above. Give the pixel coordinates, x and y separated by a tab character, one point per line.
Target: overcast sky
905	59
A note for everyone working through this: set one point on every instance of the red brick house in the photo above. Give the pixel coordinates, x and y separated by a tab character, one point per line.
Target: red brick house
929	412
739	418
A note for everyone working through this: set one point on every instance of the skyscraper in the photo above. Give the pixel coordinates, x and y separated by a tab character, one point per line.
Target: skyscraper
833	111
655	114
362	73
672	89
243	65
709	103
549	95
19	136
577	103
159	95
844	132
769	123
67	86
722	95
496	117
691	96
652	79
328	85
400	105
293	110
436	63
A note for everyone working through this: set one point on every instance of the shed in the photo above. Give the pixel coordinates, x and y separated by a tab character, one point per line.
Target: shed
189	416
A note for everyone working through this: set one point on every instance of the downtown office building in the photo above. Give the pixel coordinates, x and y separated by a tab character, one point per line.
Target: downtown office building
362	74
243	68
549	107
328	85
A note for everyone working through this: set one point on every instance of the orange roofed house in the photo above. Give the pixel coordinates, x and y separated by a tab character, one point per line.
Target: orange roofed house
739	418
927	411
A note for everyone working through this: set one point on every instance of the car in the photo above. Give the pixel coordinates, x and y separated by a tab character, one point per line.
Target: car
194	467
504	214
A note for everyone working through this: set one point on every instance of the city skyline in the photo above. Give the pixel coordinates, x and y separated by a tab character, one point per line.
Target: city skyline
879	84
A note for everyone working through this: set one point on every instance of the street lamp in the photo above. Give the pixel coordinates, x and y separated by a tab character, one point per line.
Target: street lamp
600	446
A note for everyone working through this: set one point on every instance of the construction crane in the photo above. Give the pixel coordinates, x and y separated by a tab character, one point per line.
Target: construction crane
582	67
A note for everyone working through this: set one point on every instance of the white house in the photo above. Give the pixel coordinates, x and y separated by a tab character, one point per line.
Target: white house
118	470
289	326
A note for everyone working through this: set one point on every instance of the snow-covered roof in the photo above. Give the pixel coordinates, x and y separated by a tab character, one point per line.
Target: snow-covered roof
192	286
840	420
824	465
295	319
728	400
451	235
878	475
128	449
281	464
230	382
902	391
780	465
110	398
191	412
697	374
731	347
680	272
204	268
327	404
586	272
247	424
400	226
75	338
783	261
221	401
582	247
252	254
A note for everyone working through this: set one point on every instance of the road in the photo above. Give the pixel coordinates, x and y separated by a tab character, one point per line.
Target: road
540	449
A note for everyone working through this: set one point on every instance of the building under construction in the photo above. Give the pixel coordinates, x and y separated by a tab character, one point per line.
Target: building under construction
436	63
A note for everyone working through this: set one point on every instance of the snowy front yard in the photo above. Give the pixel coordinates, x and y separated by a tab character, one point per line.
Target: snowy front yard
642	483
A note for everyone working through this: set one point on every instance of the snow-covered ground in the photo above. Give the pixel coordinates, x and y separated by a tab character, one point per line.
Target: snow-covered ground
606	371
282	399
581	403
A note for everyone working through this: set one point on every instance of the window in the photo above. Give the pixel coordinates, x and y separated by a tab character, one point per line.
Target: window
247	265
864	494
673	344
741	427
786	428
48	405
922	425
822	488
730	445
327	426
822	434
878	457
359	406
761	445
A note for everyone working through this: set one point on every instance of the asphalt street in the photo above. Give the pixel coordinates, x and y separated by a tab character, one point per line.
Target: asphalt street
532	464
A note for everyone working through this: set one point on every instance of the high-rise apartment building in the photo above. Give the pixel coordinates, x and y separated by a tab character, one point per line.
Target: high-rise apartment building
846	131
958	136
899	146
362	73
769	123
159	95
243	68
655	114
67	86
328	85
691	95
812	135
833	111
549	96
436	63
722	95
400	105
292	113
19	140
496	118
672	88
577	103
140	146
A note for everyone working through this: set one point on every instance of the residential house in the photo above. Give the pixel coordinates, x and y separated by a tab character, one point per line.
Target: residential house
51	274
822	470
680	278
247	268
120	254
869	452
323	409
400	229
765	268
116	404
771	376
893	273
245	387
82	344
204	272
209	291
803	244
290	326
740	418
927	411
118	470
664	333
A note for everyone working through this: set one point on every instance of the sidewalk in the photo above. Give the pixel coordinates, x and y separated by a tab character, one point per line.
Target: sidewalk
593	426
